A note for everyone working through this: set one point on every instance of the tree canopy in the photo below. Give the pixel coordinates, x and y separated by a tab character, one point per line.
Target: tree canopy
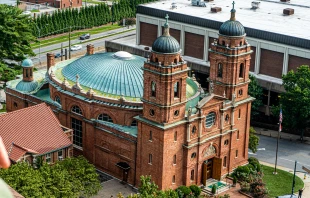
16	34
72	177
255	91
253	140
296	98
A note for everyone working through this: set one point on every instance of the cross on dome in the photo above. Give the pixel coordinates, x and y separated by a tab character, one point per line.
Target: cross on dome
233	3
233	12
166	26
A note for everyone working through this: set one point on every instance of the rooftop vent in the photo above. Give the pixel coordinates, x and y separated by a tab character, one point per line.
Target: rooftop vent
216	9
284	0
209	0
255	4
288	11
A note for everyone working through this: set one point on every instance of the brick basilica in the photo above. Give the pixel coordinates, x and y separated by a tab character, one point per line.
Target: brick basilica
136	116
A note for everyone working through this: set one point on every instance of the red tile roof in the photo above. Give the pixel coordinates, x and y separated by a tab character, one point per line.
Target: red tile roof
32	130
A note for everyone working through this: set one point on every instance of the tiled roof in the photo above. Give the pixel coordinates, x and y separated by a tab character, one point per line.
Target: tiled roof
32	130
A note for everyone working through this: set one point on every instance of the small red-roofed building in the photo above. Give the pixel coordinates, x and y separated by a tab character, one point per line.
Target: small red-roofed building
35	132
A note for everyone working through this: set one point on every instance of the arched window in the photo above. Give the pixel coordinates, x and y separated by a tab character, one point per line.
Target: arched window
220	70
105	117
194	129
57	99
134	123
150	158
210	120
241	70
175	159
26	72
175	136
31	72
173	179
77	110
176	90
223	43
193	155
151	136
225	161
153	88
156	60
192	174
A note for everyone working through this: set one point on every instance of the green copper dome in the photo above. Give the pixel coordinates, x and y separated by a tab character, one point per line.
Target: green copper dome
117	73
25	86
166	44
27	63
232	27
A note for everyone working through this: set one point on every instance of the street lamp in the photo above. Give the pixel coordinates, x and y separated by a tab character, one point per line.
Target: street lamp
39	31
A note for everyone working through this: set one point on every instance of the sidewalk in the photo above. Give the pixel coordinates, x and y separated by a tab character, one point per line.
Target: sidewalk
306	192
283	135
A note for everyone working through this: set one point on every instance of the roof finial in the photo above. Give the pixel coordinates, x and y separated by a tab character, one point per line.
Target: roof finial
166	26
233	12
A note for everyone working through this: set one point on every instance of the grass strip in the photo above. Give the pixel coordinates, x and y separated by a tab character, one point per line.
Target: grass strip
89	40
280	184
74	35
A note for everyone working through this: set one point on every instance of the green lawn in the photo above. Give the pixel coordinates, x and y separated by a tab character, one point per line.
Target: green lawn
35	10
3	109
280	184
74	35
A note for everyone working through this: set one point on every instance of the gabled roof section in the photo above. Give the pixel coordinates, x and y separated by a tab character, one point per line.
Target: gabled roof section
208	98
32	130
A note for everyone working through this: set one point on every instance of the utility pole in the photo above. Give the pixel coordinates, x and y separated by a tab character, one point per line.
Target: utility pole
61	52
70	42
294	179
280	129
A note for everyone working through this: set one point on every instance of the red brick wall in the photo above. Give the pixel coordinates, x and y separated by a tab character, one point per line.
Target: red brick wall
194	45
296	61
148	34
253	56
173	32
271	63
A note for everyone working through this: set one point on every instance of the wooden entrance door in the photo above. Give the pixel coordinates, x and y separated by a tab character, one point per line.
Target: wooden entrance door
207	170
217	168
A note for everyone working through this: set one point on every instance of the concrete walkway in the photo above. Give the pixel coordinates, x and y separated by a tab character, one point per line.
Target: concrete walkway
283	135
112	187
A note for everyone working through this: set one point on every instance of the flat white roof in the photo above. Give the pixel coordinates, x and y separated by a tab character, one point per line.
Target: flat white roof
269	17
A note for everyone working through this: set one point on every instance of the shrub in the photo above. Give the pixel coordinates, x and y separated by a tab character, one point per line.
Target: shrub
251	167
213	190
234	180
245	186
242	172
185	190
196	190
252	160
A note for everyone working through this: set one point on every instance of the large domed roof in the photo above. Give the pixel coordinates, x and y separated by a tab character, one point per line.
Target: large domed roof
117	73
232	28
166	43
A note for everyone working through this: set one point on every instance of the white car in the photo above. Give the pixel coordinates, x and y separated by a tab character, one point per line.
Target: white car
26	12
76	47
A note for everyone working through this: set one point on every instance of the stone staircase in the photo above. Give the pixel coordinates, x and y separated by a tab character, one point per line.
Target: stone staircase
207	190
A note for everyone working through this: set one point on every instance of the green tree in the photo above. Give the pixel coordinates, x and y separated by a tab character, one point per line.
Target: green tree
253	140
255	91
72	177
296	99
16	33
147	187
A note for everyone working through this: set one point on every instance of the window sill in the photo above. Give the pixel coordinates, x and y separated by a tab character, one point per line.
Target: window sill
150	163
150	140
78	147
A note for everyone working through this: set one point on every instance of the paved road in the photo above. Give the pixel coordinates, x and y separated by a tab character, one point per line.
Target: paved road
288	152
96	43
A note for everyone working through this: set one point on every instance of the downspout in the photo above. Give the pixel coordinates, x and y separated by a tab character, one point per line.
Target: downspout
136	156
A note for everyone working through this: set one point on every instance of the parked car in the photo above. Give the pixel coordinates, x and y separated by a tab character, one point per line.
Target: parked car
57	55
75	47
85	36
26	12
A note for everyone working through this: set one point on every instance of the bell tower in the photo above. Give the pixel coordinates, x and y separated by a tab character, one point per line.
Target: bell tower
165	76
162	124
230	60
